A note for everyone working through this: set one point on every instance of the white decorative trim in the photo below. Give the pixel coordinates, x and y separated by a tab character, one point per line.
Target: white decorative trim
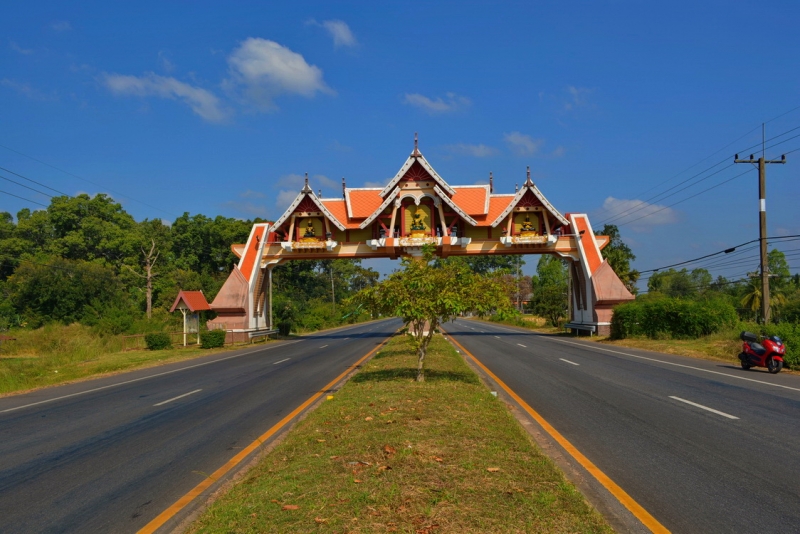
529	240
318	203
378	211
425	165
349	201
290	246
518	196
455	206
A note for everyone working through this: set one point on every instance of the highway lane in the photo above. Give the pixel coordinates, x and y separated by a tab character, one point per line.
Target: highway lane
702	445
108	455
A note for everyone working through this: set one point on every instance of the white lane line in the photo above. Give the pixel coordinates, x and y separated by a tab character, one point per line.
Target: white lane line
345	339
323	346
573	363
676	364
497	337
521	345
179	397
146	377
712	410
281	361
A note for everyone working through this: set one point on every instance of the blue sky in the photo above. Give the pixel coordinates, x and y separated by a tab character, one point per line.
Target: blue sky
219	108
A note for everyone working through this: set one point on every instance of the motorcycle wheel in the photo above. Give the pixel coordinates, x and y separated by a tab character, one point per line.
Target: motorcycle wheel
774	366
744	359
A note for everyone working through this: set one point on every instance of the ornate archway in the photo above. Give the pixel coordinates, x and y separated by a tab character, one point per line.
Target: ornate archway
417	207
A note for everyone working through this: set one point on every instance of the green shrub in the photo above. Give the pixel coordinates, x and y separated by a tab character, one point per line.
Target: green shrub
789	334
158	341
211	339
671	318
284	328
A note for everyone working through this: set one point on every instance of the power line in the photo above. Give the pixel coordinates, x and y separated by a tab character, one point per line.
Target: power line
644	204
727	250
22	198
120	195
25	186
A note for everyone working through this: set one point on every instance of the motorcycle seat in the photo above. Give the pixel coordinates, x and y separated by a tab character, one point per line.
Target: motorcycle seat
758	348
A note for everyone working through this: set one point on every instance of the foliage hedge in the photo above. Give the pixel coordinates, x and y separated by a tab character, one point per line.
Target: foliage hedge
671	318
789	334
284	328
158	341
211	339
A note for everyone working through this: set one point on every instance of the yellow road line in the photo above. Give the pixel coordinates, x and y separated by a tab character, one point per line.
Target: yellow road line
626	500
181	503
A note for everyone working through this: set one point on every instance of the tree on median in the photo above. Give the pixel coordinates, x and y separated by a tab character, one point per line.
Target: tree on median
423	293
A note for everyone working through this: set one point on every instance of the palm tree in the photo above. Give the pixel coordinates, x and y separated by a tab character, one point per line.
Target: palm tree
752	299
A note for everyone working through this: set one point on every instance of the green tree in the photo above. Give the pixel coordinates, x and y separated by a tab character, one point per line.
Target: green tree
680	284
550	289
619	257
426	295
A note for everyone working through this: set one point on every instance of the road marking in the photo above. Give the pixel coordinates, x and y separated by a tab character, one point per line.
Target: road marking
678	365
181	503
281	361
589	347
146	377
345	339
323	346
179	397
497	337
573	363
621	495
712	410
521	345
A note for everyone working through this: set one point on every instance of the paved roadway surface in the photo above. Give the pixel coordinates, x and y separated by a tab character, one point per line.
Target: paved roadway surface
112	459
734	470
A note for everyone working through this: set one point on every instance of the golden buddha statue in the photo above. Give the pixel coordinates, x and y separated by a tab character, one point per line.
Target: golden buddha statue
527	229
309	234
417	226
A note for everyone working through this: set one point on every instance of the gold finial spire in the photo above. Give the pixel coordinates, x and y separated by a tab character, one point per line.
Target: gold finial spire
307	189
416	146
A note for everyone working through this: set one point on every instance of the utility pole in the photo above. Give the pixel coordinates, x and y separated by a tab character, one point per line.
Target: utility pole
762	219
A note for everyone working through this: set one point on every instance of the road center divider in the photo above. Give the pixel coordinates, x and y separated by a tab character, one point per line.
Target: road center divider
195	492
621	495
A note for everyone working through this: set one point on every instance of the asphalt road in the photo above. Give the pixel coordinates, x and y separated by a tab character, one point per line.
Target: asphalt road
735	469
109	455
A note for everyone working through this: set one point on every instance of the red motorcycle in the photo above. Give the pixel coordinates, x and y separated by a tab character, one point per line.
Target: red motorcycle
769	353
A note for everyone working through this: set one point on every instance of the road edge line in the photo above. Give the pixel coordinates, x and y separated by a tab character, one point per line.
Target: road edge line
195	492
620	494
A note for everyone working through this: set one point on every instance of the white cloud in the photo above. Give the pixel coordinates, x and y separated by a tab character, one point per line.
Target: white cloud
61	25
17	48
521	144
247	208
377	184
339	31
285	198
26	90
637	214
202	102
264	69
451	102
578	97
166	64
477	151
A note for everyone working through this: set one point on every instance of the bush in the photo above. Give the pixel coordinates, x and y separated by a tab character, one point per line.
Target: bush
211	339
670	317
284	328
789	334
158	341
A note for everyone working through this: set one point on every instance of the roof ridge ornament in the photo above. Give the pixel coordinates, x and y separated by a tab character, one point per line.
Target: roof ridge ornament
306	189
416	152
491	183
528	182
344	189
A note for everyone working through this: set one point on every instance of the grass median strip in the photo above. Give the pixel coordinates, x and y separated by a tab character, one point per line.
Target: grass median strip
388	454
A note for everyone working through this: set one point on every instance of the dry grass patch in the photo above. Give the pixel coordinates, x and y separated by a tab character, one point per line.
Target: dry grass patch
389	454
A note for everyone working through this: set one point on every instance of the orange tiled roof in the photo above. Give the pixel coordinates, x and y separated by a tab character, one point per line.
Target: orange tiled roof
472	200
339	210
363	202
195	301
496	206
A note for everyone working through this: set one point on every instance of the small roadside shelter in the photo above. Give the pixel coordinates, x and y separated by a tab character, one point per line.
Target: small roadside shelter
190	303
